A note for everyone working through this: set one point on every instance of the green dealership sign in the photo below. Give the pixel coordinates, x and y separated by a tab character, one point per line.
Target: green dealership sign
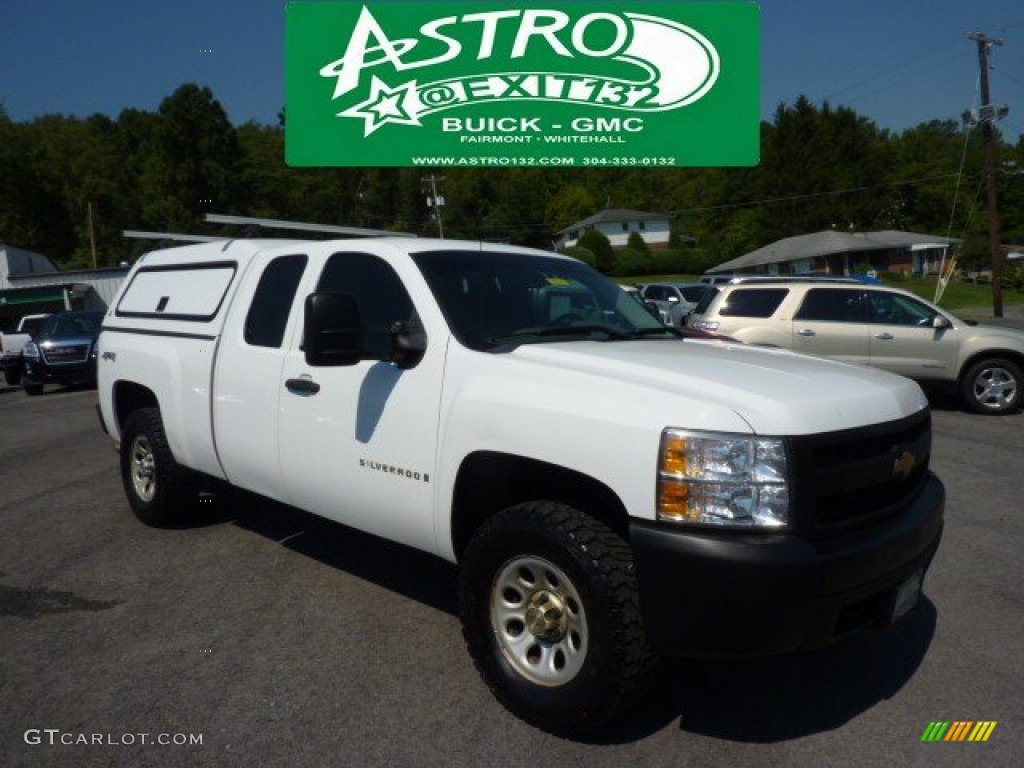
505	84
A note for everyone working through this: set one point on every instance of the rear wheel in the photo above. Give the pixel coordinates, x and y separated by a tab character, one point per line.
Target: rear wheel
159	490
992	386
12	376
551	616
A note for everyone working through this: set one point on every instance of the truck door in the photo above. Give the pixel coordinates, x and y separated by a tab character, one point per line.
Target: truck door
247	375
358	443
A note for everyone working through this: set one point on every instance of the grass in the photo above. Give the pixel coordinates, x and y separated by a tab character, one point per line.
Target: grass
957	295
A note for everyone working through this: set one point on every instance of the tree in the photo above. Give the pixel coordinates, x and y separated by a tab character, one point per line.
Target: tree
32	214
598	244
195	163
637	243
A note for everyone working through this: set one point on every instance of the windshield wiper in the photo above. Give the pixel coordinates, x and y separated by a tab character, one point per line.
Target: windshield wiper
637	332
612	332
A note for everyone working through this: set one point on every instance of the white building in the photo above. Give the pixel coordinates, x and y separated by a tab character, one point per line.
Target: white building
31	284
617	224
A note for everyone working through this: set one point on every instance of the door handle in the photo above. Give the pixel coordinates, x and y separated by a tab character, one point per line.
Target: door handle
884	336
305	386
806	332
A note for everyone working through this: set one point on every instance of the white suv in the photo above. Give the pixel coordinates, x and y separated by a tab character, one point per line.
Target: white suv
875	325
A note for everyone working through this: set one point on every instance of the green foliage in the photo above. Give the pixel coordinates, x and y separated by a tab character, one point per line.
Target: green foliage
636	242
581	253
630	261
598	243
821	167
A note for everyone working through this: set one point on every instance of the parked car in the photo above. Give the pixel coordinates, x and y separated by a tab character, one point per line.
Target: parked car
875	325
11	345
635	293
63	351
674	300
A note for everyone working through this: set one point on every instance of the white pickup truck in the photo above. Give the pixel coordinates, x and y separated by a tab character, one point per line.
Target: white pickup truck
12	344
612	491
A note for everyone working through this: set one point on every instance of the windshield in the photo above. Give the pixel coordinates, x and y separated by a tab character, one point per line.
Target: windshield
31	324
492	300
72	324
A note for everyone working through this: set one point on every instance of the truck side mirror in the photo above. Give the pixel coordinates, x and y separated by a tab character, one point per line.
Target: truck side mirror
333	330
409	342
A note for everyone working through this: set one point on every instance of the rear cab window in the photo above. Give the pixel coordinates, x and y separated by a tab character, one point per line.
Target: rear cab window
272	301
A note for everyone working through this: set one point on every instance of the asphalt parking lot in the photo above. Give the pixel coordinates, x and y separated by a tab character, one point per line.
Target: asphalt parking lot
281	640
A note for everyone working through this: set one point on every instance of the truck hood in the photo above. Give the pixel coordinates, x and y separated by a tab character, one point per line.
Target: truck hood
776	392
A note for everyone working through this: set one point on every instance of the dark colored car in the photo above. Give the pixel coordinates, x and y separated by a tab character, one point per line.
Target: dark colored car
63	351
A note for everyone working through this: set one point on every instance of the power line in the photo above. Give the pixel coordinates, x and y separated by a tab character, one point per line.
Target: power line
898	65
812	195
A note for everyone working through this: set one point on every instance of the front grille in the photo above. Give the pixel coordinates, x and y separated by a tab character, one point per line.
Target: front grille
854	477
69	353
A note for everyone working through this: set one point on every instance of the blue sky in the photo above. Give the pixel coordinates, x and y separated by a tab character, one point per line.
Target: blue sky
897	62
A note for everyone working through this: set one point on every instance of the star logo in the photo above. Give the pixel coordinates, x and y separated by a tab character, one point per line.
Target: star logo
386	105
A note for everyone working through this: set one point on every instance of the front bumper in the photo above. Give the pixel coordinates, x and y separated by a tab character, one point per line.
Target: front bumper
66	373
712	593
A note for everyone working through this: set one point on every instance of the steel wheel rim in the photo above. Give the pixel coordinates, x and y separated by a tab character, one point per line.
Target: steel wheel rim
995	388
538	620
143	468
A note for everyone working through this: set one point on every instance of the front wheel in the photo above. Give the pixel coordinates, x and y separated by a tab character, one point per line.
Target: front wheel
992	386
550	614
32	388
159	490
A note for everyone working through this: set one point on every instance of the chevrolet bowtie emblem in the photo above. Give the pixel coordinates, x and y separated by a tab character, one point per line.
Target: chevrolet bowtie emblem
904	465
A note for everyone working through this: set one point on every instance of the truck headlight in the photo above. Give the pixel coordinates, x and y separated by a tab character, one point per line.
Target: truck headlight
30	350
722	479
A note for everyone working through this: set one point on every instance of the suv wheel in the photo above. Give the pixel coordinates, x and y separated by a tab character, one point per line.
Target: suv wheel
550	614
992	386
158	488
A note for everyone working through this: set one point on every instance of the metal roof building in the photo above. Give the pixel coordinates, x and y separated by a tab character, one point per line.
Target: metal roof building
841	253
30	284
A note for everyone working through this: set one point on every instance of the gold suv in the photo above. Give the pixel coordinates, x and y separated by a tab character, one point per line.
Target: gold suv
874	325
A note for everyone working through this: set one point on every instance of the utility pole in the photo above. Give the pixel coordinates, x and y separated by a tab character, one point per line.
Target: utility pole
92	237
435	201
987	115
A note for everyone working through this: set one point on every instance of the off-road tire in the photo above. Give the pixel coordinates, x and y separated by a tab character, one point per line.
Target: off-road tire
992	386
616	663
32	388
160	491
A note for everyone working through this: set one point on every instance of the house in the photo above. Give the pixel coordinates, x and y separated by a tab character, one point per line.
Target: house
844	253
617	224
